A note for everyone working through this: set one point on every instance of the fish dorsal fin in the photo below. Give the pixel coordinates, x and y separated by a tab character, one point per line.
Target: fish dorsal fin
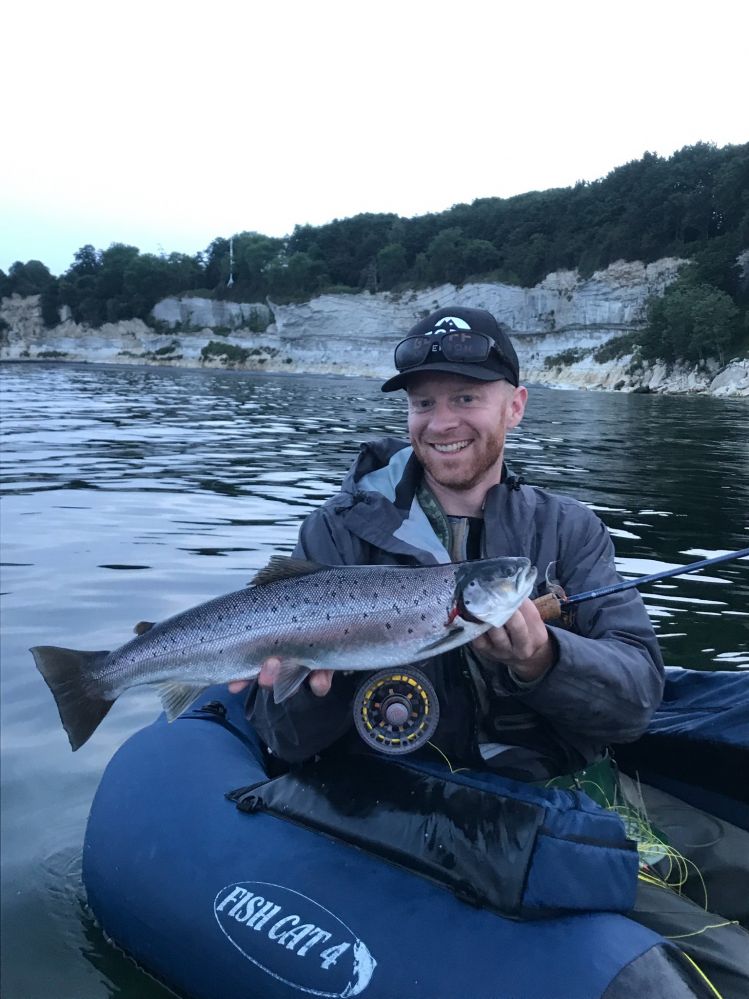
283	567
177	697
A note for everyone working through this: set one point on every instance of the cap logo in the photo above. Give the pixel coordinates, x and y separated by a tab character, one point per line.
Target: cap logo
448	325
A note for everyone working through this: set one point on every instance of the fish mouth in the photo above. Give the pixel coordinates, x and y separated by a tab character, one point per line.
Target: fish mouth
526	577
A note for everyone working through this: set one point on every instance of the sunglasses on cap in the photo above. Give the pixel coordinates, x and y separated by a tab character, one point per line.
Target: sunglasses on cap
459	346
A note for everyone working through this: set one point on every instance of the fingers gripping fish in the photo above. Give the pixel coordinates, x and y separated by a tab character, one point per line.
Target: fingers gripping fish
309	616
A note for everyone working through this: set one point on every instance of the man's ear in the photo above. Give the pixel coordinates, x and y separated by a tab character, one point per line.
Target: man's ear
517	405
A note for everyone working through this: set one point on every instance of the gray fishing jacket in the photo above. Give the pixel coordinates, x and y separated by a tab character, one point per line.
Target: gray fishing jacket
608	675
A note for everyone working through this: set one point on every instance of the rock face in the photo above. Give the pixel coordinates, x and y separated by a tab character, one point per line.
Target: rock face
354	334
200	313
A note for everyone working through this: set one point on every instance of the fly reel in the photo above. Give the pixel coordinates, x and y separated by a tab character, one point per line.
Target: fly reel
396	711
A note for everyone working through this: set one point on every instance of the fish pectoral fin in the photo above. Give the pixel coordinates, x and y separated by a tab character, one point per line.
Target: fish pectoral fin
177	697
444	643
291	676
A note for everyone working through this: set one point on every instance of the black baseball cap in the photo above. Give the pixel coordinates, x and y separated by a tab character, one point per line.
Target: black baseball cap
502	362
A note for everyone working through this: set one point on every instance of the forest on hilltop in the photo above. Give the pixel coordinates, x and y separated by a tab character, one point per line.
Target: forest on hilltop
693	204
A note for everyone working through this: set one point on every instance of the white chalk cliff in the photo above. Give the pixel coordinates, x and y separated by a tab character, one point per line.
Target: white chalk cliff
354	334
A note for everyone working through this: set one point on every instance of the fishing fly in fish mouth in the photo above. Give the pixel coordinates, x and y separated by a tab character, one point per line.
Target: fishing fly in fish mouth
309	616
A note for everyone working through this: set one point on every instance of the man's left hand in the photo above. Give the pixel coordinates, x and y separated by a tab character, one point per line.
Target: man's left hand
523	644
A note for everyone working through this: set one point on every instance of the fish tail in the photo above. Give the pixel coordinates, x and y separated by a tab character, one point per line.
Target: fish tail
68	675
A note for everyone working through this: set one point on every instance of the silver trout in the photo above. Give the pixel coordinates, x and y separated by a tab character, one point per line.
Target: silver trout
309	616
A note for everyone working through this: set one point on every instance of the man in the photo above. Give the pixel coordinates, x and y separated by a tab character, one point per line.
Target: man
531	701
528	700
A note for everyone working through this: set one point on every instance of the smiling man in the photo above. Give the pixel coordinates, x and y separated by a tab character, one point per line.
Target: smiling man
527	700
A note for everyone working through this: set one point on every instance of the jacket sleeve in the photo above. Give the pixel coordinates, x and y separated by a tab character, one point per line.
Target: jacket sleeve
305	724
608	677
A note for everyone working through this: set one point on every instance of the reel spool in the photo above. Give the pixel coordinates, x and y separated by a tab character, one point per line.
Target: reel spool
396	711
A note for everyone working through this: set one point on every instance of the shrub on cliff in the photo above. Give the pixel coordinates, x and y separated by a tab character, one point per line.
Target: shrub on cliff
567	357
692	321
229	353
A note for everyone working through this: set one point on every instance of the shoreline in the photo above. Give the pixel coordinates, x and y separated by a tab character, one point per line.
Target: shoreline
662	387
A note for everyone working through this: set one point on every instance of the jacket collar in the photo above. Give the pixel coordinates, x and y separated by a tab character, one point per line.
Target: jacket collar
381	506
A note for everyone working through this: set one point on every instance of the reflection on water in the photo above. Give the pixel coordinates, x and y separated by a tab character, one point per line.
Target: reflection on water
130	494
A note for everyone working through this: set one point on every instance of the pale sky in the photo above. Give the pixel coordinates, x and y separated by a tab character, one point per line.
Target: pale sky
166	123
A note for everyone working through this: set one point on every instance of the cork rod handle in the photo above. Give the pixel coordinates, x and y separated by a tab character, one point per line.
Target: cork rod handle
549	607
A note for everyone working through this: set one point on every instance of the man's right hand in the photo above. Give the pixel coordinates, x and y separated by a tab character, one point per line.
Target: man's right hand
319	679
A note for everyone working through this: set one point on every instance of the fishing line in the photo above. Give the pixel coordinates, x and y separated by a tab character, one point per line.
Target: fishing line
651	847
453	770
702	974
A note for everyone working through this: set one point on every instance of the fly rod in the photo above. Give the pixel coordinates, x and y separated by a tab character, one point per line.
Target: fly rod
553	605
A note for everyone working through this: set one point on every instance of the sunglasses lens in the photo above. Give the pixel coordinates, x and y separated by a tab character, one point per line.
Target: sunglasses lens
411	352
467	347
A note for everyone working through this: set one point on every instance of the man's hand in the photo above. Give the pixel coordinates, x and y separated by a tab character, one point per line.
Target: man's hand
523	644
319	679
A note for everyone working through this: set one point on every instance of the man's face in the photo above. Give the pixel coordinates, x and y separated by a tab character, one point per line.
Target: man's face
458	425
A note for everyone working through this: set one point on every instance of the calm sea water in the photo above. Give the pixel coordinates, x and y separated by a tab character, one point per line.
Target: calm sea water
133	493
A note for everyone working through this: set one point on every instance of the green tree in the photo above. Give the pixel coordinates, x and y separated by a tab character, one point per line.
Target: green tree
297	276
691	321
446	256
480	256
87	260
253	255
30	278
392	265
50	304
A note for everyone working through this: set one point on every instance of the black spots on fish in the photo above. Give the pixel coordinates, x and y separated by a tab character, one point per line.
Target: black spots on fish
365	615
202	639
423	617
410	631
294	619
345	631
274	609
396	608
387	625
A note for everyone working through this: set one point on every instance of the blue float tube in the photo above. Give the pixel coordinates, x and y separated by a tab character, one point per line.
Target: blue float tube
216	905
